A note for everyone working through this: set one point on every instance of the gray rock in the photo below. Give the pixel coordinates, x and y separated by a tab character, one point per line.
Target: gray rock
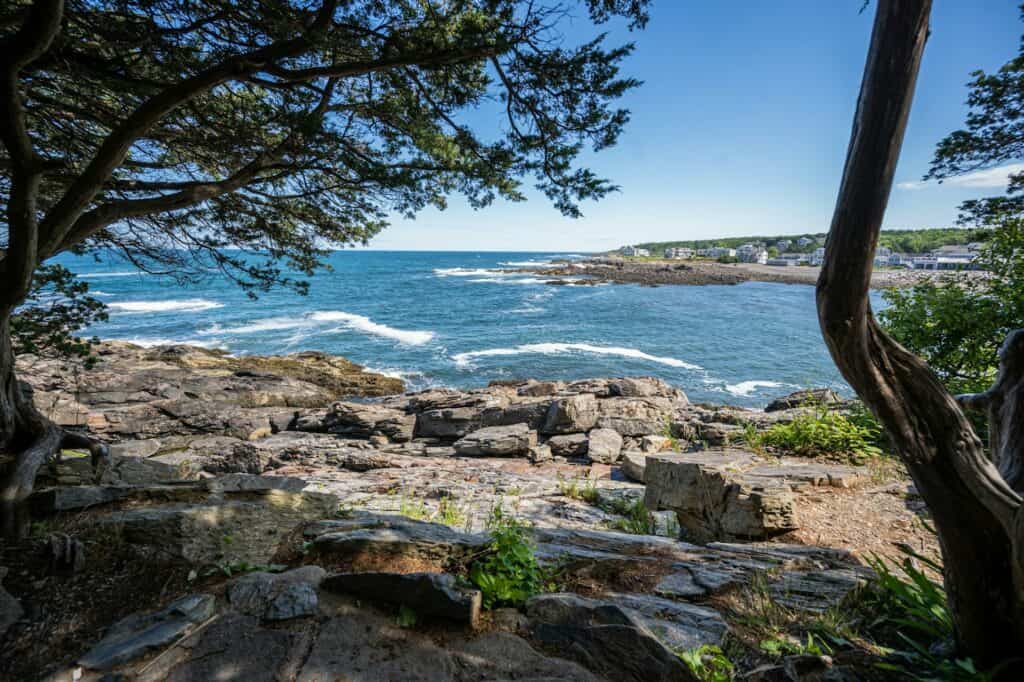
235	647
644	387
277	596
568	445
539	454
362	420
139	471
635	416
532	413
572	414
540	388
10	608
604	446
135	448
223	527
678	625
817	396
633	464
251	483
604	637
139	634
713	501
452	423
654	444
436	595
498	441
375	541
717	434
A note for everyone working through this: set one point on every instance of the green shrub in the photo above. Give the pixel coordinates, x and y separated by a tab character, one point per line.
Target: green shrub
509	574
819	431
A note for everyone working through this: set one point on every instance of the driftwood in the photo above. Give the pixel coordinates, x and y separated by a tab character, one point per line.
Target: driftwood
976	511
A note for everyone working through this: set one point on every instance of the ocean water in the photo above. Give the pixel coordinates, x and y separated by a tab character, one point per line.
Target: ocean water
448	319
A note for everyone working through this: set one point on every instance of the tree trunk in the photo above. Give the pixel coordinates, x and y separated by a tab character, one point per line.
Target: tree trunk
976	513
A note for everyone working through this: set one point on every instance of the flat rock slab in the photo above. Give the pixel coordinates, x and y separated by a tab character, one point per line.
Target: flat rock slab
604	637
435	595
375	541
141	633
498	441
277	596
728	494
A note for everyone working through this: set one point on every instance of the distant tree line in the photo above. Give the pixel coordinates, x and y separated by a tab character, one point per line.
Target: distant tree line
901	241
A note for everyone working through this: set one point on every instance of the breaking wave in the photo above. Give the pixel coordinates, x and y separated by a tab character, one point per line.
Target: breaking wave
173	305
559	348
365	324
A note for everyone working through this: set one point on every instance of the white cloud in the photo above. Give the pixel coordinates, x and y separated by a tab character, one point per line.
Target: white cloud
991	178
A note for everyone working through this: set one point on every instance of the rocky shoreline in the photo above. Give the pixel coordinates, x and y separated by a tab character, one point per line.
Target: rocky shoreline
340	499
698	272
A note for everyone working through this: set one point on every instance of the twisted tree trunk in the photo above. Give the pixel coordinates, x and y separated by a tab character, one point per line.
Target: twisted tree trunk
976	512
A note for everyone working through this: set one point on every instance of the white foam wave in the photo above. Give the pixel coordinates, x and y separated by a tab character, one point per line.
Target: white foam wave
365	324
559	348
99	275
101	294
173	305
269	324
746	388
526	263
147	342
498	280
473	272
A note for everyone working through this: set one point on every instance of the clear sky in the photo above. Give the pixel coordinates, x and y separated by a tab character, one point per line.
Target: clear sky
741	128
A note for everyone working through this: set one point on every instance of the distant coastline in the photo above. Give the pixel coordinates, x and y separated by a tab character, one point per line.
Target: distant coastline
656	272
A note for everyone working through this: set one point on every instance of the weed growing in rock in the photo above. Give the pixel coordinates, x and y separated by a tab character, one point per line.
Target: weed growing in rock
450	513
413	509
587	493
778	646
637	519
668	432
509	574
708	664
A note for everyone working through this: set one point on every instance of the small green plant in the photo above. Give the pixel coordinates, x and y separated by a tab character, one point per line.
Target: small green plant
413	509
572	489
911	615
406	617
819	431
229	569
638	520
668	432
778	646
509	574
708	664
450	513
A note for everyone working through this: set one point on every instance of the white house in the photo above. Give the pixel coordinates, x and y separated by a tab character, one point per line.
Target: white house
679	252
751	253
720	251
818	257
783	245
804	242
633	251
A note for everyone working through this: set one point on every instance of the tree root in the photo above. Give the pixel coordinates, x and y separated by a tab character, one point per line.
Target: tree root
20	479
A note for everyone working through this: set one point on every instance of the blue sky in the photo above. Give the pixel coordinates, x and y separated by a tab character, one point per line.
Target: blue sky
741	128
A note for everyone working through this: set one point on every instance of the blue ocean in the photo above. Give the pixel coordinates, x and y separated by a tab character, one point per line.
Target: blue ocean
461	319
